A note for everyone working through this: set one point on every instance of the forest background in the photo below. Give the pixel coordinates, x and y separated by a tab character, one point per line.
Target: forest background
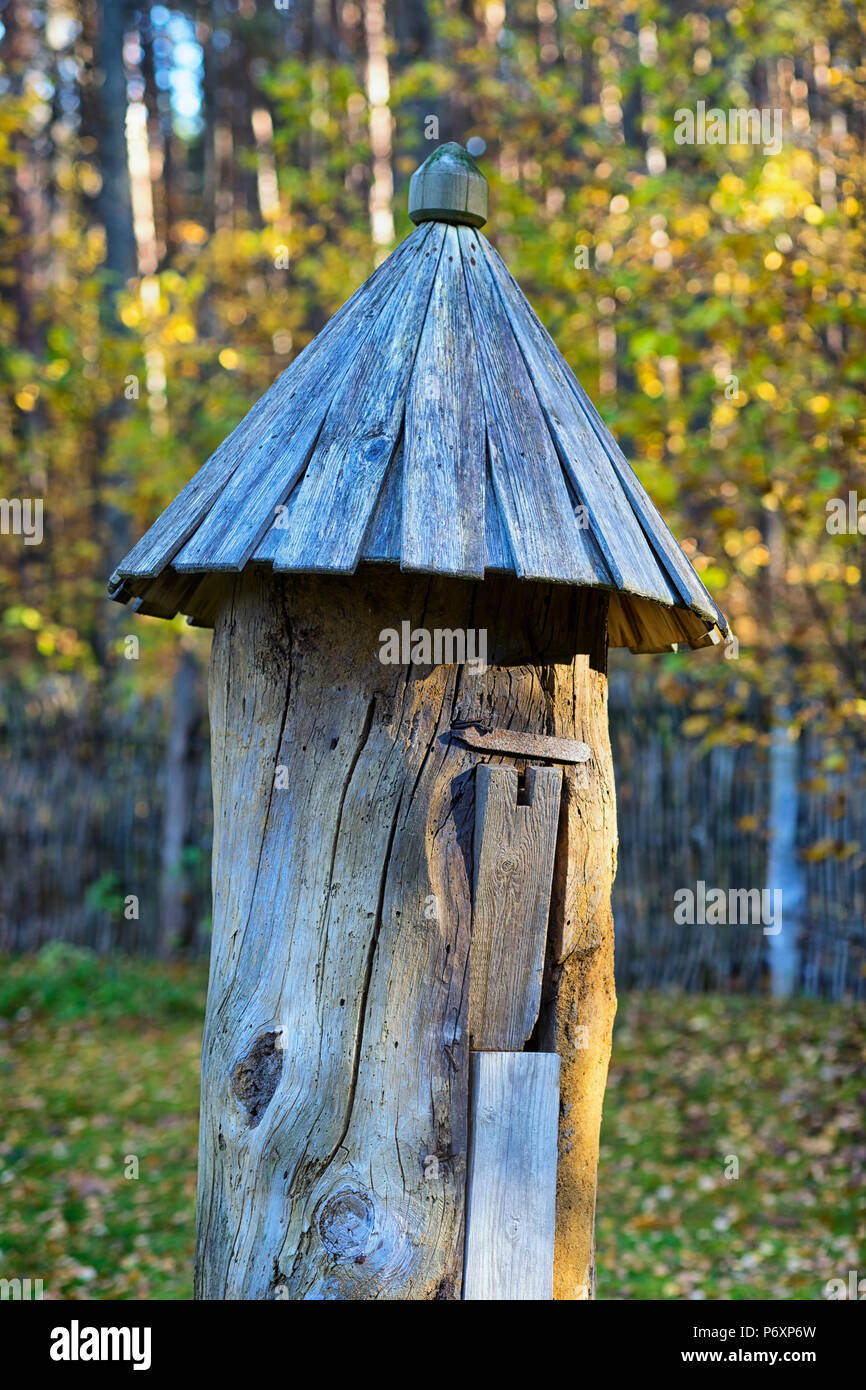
188	192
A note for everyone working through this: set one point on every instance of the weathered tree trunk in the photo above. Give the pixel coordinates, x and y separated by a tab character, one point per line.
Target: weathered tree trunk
335	1061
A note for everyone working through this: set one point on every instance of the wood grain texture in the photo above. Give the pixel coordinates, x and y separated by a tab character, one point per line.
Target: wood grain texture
321	952
644	626
334	1067
612	519
512	1176
247	507
514	848
680	571
504	465
534	504
443	496
303	376
498	558
578	995
382	540
345	474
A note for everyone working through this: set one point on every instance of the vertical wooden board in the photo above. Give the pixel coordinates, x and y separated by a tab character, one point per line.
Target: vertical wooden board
443	497
511	1205
173	528
345	474
545	539
620	536
514	848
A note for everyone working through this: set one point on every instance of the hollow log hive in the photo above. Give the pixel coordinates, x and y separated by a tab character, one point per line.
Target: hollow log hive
415	551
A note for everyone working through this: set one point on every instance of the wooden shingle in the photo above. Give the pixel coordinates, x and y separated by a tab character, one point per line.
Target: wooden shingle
432	424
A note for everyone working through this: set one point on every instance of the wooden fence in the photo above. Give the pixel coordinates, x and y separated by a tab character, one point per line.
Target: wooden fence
688	815
82	835
82	847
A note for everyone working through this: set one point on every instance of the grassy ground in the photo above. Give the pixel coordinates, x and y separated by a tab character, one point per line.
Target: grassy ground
99	1070
698	1081
100	1065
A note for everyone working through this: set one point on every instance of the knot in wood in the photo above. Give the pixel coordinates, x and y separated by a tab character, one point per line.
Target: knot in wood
255	1076
509	863
512	1228
347	1225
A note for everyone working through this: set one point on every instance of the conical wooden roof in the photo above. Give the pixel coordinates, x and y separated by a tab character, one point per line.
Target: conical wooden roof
432	424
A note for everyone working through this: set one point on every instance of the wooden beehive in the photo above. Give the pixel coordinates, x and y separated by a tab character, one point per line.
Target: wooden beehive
413	856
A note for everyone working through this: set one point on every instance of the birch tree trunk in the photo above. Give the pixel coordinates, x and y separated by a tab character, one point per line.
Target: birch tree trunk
335	1068
784	871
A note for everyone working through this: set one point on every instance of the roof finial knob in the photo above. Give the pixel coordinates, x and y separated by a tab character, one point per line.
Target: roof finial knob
449	187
